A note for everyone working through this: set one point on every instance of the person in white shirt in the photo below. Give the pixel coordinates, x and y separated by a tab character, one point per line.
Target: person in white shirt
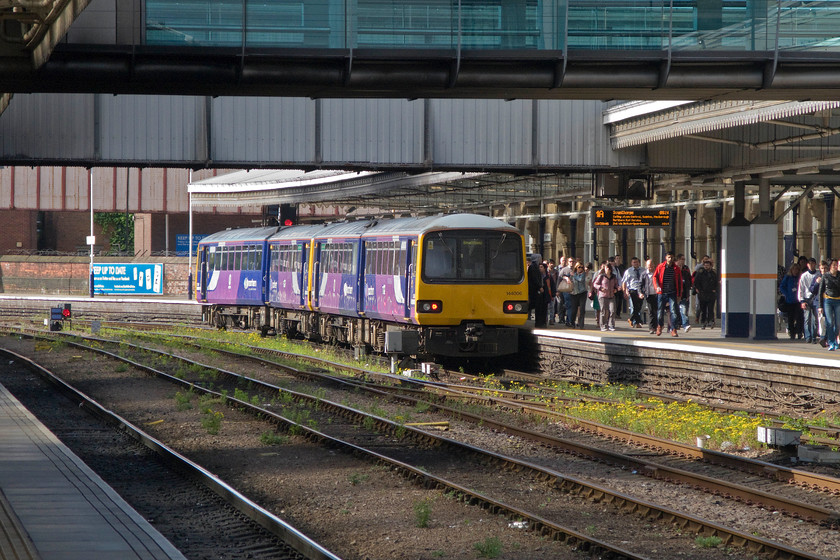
631	285
808	283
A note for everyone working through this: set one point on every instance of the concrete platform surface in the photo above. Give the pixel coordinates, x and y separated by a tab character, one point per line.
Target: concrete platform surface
58	505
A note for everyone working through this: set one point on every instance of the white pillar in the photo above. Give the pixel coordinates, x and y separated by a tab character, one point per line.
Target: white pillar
735	272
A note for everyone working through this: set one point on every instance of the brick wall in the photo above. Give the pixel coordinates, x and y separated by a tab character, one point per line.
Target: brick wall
21	274
19	231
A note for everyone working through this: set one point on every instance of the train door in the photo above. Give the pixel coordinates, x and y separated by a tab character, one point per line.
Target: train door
360	277
203	256
404	279
315	287
411	267
303	279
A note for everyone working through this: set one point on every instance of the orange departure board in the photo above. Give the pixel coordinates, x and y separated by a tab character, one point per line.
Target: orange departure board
616	217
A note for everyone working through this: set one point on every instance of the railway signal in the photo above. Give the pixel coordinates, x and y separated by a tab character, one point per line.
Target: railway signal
58	315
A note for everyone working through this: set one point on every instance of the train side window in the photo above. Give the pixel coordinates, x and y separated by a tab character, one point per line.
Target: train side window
389	262
326	258
380	258
398	271
258	253
237	258
349	261
224	262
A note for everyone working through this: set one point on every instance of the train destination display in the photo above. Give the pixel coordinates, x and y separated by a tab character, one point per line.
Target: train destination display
616	217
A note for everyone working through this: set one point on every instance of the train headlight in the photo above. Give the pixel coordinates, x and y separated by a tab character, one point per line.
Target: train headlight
515	307
429	306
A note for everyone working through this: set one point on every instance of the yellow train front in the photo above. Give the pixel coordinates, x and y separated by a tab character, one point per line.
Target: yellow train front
470	290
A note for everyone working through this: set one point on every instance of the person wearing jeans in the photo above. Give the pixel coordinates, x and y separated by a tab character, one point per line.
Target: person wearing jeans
668	281
808	284
829	293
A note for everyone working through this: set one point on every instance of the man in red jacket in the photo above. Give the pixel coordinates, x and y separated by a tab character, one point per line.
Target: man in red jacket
667	278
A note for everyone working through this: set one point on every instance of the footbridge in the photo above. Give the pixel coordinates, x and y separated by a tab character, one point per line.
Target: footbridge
537	49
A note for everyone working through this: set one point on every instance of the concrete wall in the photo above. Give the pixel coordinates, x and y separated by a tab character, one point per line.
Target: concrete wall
20	274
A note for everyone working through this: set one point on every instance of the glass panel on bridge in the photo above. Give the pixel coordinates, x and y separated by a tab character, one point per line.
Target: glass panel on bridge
684	25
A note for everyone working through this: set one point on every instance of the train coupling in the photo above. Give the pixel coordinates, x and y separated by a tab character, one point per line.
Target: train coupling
473	332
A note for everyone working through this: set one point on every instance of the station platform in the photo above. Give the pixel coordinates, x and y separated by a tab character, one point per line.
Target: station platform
53	507
702	364
697	341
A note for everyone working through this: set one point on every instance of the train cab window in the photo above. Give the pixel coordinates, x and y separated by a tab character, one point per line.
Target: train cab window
472	256
505	258
439	259
471	261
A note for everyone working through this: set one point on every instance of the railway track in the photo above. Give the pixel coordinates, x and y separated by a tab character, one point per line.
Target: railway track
203	517
559	481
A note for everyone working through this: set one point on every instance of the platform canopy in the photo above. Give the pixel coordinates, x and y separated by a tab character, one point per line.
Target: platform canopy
389	191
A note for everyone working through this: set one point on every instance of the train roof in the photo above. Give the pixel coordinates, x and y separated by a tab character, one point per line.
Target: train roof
436	223
393	226
363	228
302	232
241	234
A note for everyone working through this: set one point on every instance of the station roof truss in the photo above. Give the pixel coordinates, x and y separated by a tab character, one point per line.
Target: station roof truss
394	192
791	143
30	31
694	119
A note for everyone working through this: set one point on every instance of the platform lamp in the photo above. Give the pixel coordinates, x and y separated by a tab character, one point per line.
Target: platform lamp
91	239
190	244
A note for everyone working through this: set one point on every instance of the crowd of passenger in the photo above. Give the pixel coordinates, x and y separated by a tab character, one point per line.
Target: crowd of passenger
809	300
559	293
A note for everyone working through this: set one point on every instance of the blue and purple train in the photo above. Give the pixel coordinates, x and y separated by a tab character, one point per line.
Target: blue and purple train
447	285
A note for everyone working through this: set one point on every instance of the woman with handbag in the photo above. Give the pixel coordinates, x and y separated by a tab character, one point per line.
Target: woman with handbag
605	287
579	291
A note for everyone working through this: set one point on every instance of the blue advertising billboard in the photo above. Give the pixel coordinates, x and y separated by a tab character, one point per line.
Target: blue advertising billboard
181	244
127	279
